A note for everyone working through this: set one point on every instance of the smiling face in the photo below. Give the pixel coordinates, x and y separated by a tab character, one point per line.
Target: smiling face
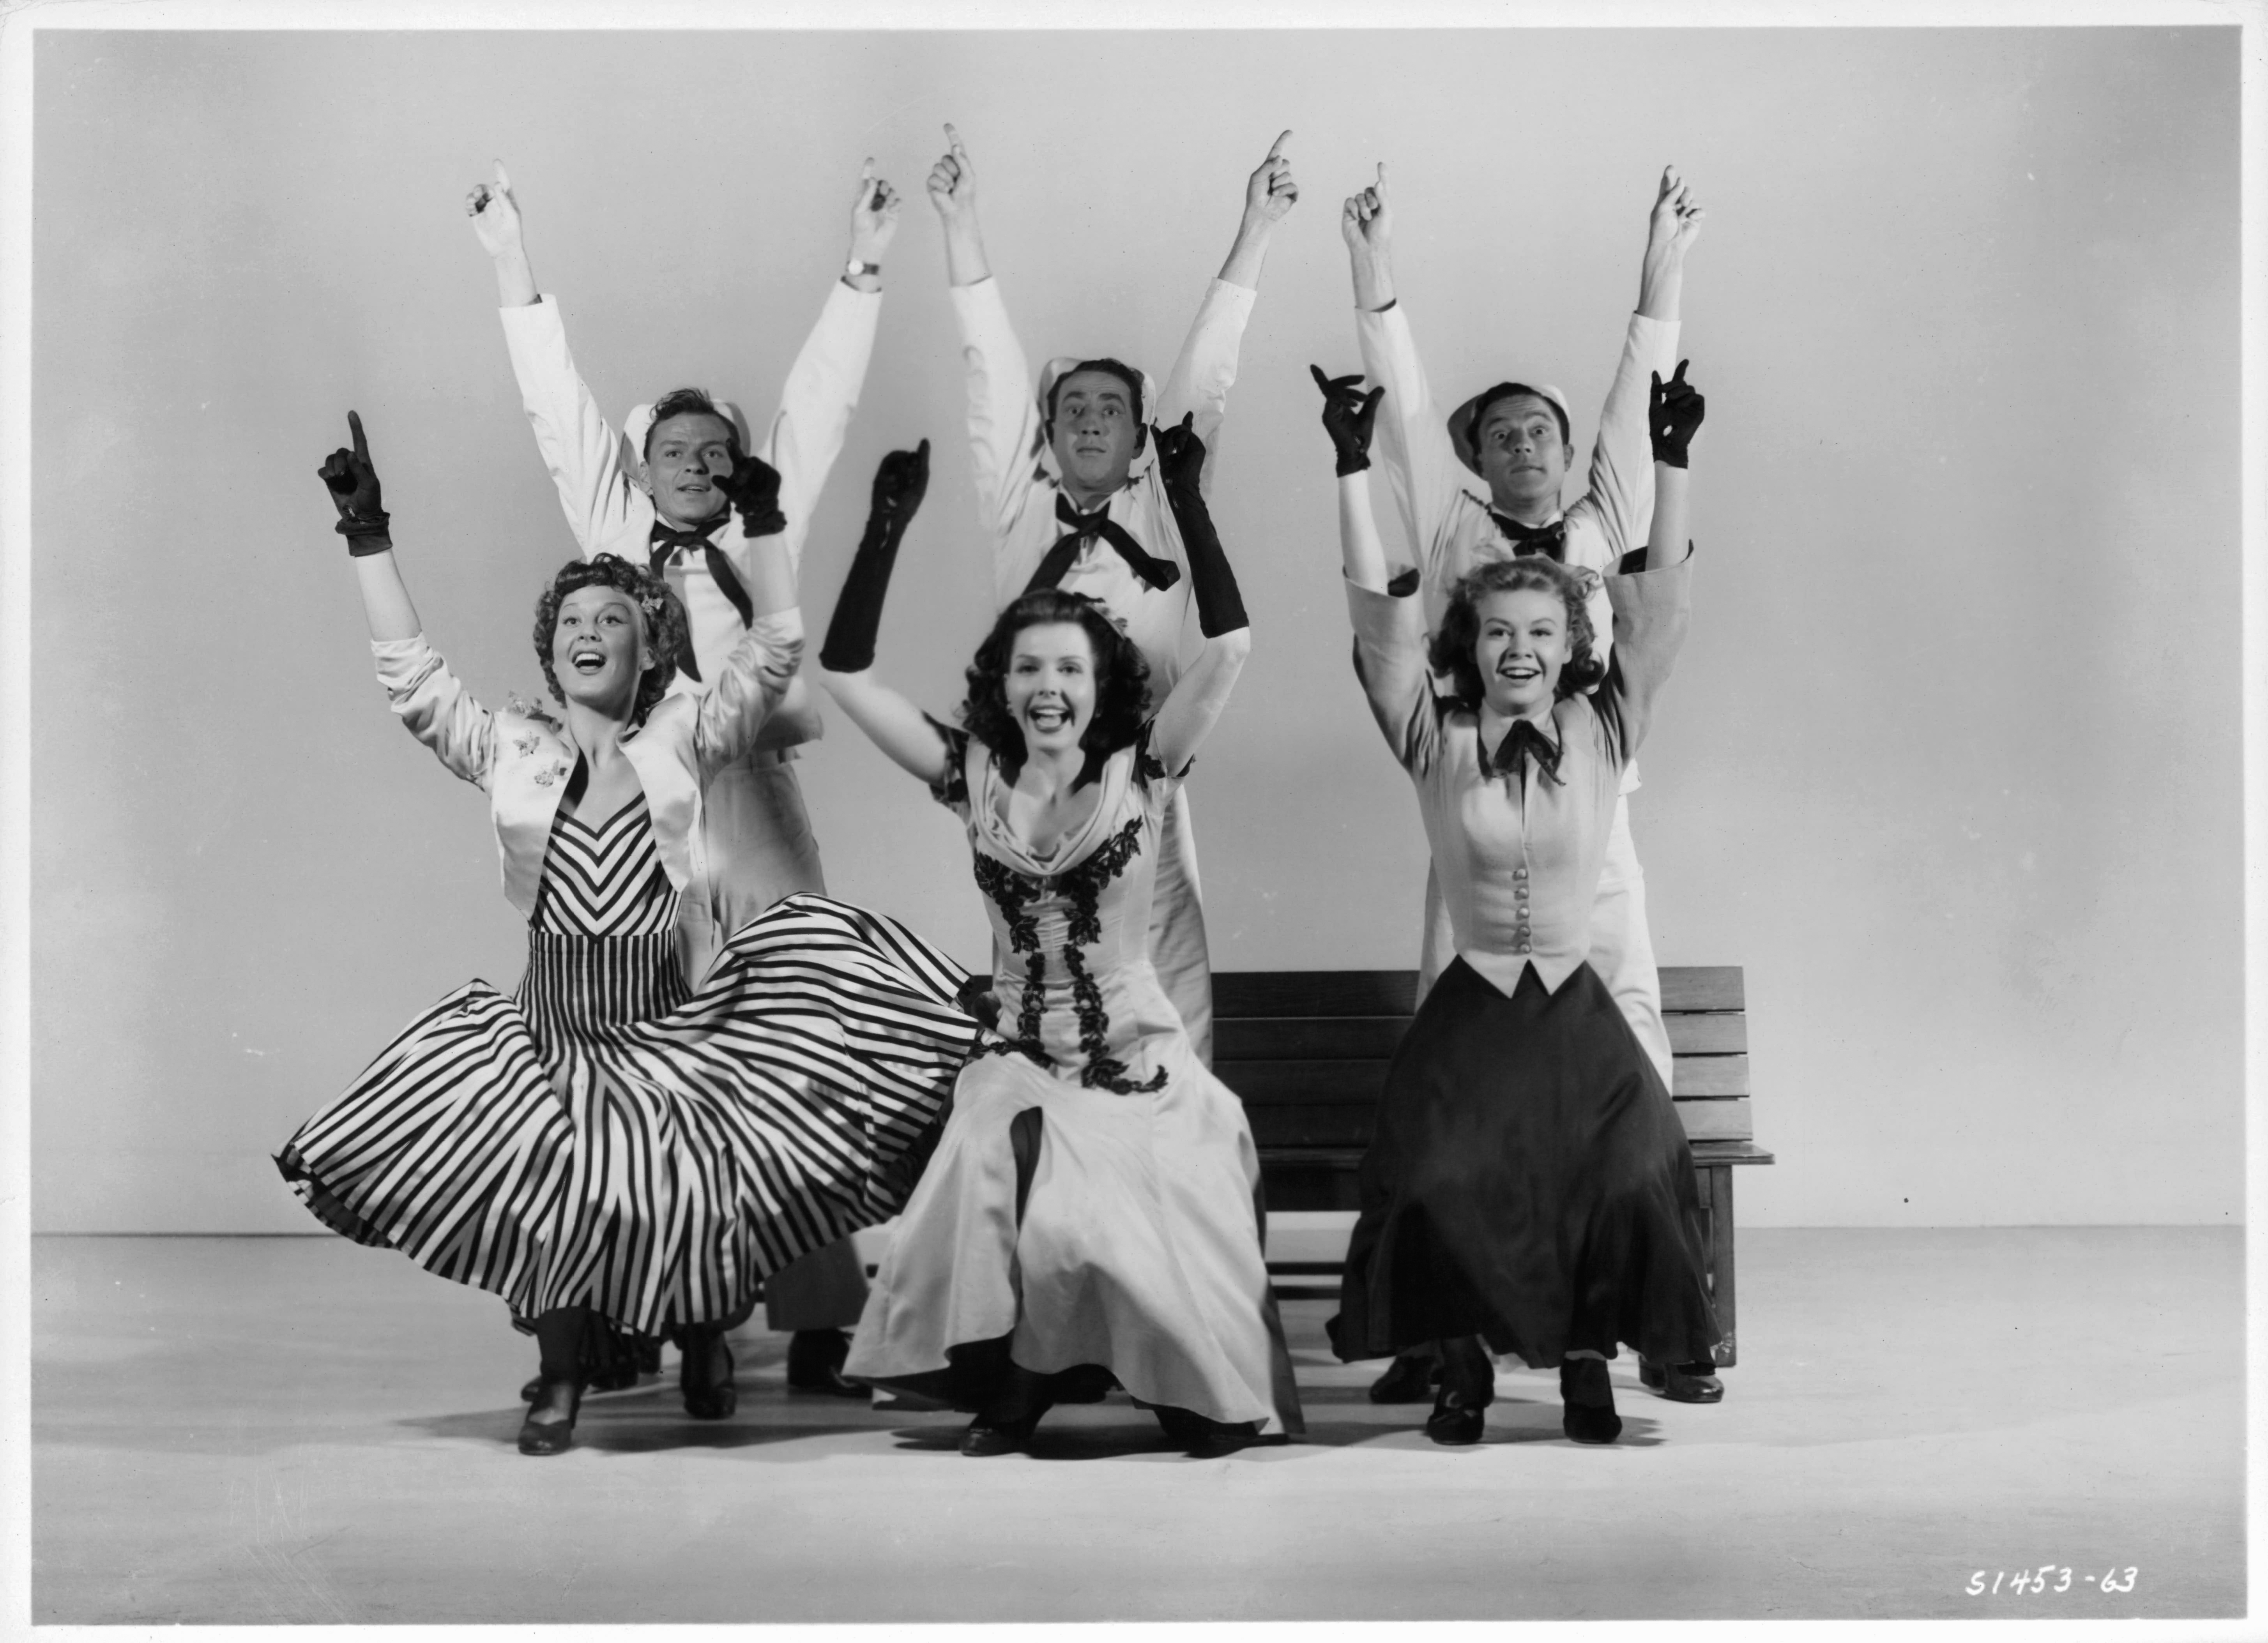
1051	685
1096	432
598	650
1520	454
1523	645
684	456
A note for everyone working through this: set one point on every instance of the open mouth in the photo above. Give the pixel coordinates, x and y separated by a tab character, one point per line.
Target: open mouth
1048	718
587	662
1518	673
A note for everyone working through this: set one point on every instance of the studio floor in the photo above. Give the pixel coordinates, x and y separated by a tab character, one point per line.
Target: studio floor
299	1430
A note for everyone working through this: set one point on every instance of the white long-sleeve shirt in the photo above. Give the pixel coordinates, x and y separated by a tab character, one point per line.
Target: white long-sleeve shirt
609	512
1017	482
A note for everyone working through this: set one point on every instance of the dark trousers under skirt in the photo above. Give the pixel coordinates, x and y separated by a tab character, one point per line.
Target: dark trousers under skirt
1530	1183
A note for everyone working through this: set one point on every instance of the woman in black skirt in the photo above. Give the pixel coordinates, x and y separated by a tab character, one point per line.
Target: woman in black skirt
1530	1189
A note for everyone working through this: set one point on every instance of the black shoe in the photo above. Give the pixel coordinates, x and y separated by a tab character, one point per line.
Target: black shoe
1409	1379
815	1364
551	1437
1454	1422
989	1437
704	1375
1587	1399
1681	1383
1089	1383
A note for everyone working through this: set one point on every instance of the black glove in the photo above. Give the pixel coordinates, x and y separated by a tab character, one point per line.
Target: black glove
752	489
1181	463
1347	415
899	483
353	485
1673	415
1181	454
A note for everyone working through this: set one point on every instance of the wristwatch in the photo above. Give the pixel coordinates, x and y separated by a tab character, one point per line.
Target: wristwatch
854	267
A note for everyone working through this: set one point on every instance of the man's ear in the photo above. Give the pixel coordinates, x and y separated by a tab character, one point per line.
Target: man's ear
1141	435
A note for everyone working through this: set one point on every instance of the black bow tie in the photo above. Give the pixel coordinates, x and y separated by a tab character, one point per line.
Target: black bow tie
1081	528
1550	539
666	543
1522	742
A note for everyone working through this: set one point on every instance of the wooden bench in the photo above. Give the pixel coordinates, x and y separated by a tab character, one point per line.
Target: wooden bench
1307	1049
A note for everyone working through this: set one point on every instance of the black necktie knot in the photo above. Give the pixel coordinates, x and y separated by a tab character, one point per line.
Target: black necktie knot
665	542
1525	741
1079	529
1550	539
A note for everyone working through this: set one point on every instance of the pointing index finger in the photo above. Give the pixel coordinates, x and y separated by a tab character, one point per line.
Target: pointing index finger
1277	151
361	444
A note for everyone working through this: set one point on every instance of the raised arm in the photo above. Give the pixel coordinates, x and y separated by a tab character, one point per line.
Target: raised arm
823	387
1201	693
605	511
433	704
1349	417
1005	438
846	661
1269	193
1620	495
1653	604
1421	472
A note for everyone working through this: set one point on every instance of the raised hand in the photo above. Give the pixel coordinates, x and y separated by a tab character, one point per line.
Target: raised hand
1270	192
1675	222
1674	414
1347	415
900	484
873	216
1367	221
953	182
1181	453
495	214
353	484
752	489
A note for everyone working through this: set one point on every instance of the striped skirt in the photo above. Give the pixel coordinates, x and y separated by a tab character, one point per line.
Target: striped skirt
551	1152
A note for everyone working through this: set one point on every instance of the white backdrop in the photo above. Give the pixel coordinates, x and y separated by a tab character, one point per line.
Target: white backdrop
1951	765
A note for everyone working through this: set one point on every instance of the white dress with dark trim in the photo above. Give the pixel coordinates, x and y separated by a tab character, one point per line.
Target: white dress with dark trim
1130	1239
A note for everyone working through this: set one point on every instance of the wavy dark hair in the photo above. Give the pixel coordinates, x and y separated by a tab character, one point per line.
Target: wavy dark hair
691	402
1121	680
1453	646
667	629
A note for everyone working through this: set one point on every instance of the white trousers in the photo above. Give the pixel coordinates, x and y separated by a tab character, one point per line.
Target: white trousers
1177	932
1621	948
761	847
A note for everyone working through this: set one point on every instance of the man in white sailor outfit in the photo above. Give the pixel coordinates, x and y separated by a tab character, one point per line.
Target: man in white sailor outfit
1069	492
655	495
1484	483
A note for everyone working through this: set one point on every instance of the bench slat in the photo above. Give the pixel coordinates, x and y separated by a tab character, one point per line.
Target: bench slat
1300	1038
1312	992
1719	1035
1717	1120
1702	987
1304	1083
1709	1075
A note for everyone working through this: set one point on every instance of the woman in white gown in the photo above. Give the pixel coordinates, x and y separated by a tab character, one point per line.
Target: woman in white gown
1091	1209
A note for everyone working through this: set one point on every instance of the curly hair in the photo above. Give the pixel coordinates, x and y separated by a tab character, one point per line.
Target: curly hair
667	629
1121	680
1454	647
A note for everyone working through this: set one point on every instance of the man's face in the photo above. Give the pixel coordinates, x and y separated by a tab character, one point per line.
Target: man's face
684	456
1520	452
1096	431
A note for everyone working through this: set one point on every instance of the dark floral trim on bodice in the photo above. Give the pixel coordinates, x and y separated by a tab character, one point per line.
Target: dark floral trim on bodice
1082	886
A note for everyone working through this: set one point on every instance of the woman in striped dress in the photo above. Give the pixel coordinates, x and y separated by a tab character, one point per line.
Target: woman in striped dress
657	1120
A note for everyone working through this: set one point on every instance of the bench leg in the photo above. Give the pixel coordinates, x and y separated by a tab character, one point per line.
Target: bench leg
1717	1194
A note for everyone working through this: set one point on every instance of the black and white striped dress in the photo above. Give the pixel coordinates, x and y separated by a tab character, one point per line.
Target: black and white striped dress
612	1137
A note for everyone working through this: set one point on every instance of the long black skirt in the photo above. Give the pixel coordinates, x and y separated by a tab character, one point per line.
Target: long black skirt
1530	1183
